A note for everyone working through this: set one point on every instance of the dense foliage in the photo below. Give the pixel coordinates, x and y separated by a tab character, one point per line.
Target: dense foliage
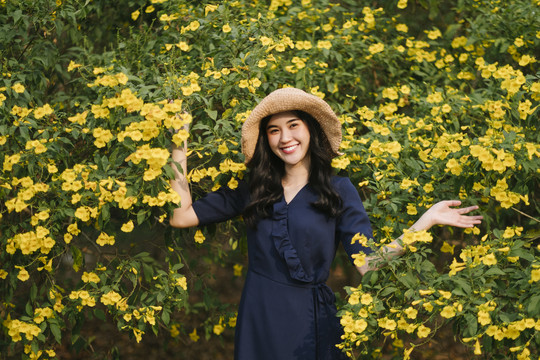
437	100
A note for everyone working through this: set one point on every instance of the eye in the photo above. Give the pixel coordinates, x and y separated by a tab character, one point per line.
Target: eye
294	124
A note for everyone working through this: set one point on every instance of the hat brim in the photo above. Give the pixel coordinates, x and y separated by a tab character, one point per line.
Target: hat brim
289	99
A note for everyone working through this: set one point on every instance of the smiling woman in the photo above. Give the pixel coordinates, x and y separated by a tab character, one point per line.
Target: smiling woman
297	214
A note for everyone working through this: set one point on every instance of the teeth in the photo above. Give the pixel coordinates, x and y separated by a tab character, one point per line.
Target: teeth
290	148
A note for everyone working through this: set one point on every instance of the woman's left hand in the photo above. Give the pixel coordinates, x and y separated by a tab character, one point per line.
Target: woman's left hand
443	213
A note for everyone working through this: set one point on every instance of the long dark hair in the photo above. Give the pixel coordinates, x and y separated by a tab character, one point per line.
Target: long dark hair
267	170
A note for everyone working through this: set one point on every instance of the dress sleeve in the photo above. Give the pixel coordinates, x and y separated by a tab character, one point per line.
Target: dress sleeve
353	218
221	205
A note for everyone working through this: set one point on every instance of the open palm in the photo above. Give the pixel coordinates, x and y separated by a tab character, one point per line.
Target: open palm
444	213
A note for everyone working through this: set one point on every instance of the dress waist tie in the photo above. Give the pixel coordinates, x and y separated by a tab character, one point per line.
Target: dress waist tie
324	308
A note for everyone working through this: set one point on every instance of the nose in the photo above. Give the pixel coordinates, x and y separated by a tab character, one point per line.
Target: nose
285	136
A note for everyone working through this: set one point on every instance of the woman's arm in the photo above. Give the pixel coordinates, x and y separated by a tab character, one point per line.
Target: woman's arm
441	213
183	216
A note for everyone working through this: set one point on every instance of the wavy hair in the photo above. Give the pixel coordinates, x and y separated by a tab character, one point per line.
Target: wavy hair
267	171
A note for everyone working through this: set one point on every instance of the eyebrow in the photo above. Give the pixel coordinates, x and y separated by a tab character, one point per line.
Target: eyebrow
288	122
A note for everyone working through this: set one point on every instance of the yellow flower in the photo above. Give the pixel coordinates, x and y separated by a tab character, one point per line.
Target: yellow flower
193	335
535	275
477	348
411	209
104	239
182	45
483	317
218	329
43	111
194	25
127	227
135	15
448	312
232	184
433	34
182	282
110	298
23	274
18	88
324	44
386	323
423	331
223	149
402	4
138	334
411	312
489	259
447	248
209	9
402	28
199	237
90	277
237	268
359	259
149	9
72	66
226	28
376	48
366	299
456	267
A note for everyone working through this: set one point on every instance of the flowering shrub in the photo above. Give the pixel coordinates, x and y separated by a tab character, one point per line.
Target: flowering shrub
446	107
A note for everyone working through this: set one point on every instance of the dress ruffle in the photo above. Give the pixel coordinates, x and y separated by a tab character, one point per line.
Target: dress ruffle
280	235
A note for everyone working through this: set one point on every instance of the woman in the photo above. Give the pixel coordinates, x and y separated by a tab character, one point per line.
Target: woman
297	213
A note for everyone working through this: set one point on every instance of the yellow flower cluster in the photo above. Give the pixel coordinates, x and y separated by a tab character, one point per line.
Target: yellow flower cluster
40	314
505	197
36	145
112	298
103	136
162	198
413	237
17	327
26	193
104	239
110	80
155	158
90	277
31	241
84	296
500	162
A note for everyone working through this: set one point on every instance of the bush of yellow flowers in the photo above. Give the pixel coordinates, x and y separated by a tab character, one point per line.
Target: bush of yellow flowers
438	99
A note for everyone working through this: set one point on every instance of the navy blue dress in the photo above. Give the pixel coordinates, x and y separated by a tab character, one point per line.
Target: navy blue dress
287	311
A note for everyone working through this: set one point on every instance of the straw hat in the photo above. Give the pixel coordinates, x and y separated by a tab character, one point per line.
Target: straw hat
288	99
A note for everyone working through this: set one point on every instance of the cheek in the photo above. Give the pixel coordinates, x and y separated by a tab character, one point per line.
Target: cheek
272	141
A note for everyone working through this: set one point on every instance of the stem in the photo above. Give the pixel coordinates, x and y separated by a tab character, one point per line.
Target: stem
524	214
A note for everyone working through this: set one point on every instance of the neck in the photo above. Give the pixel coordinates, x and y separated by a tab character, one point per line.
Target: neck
297	174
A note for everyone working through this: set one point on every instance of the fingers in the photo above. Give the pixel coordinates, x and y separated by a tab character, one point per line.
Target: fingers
467	209
470	221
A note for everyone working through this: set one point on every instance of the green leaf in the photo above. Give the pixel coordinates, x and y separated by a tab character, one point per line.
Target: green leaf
472	325
211	113
55	329
141	216
33	292
77	258
166	317
100	314
494	270
389	290
534	306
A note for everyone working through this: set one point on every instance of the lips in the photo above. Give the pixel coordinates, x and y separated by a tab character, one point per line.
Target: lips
289	149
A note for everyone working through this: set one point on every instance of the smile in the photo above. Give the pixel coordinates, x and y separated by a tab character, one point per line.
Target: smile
289	149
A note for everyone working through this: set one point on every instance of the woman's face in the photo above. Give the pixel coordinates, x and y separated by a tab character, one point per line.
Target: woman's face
288	137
